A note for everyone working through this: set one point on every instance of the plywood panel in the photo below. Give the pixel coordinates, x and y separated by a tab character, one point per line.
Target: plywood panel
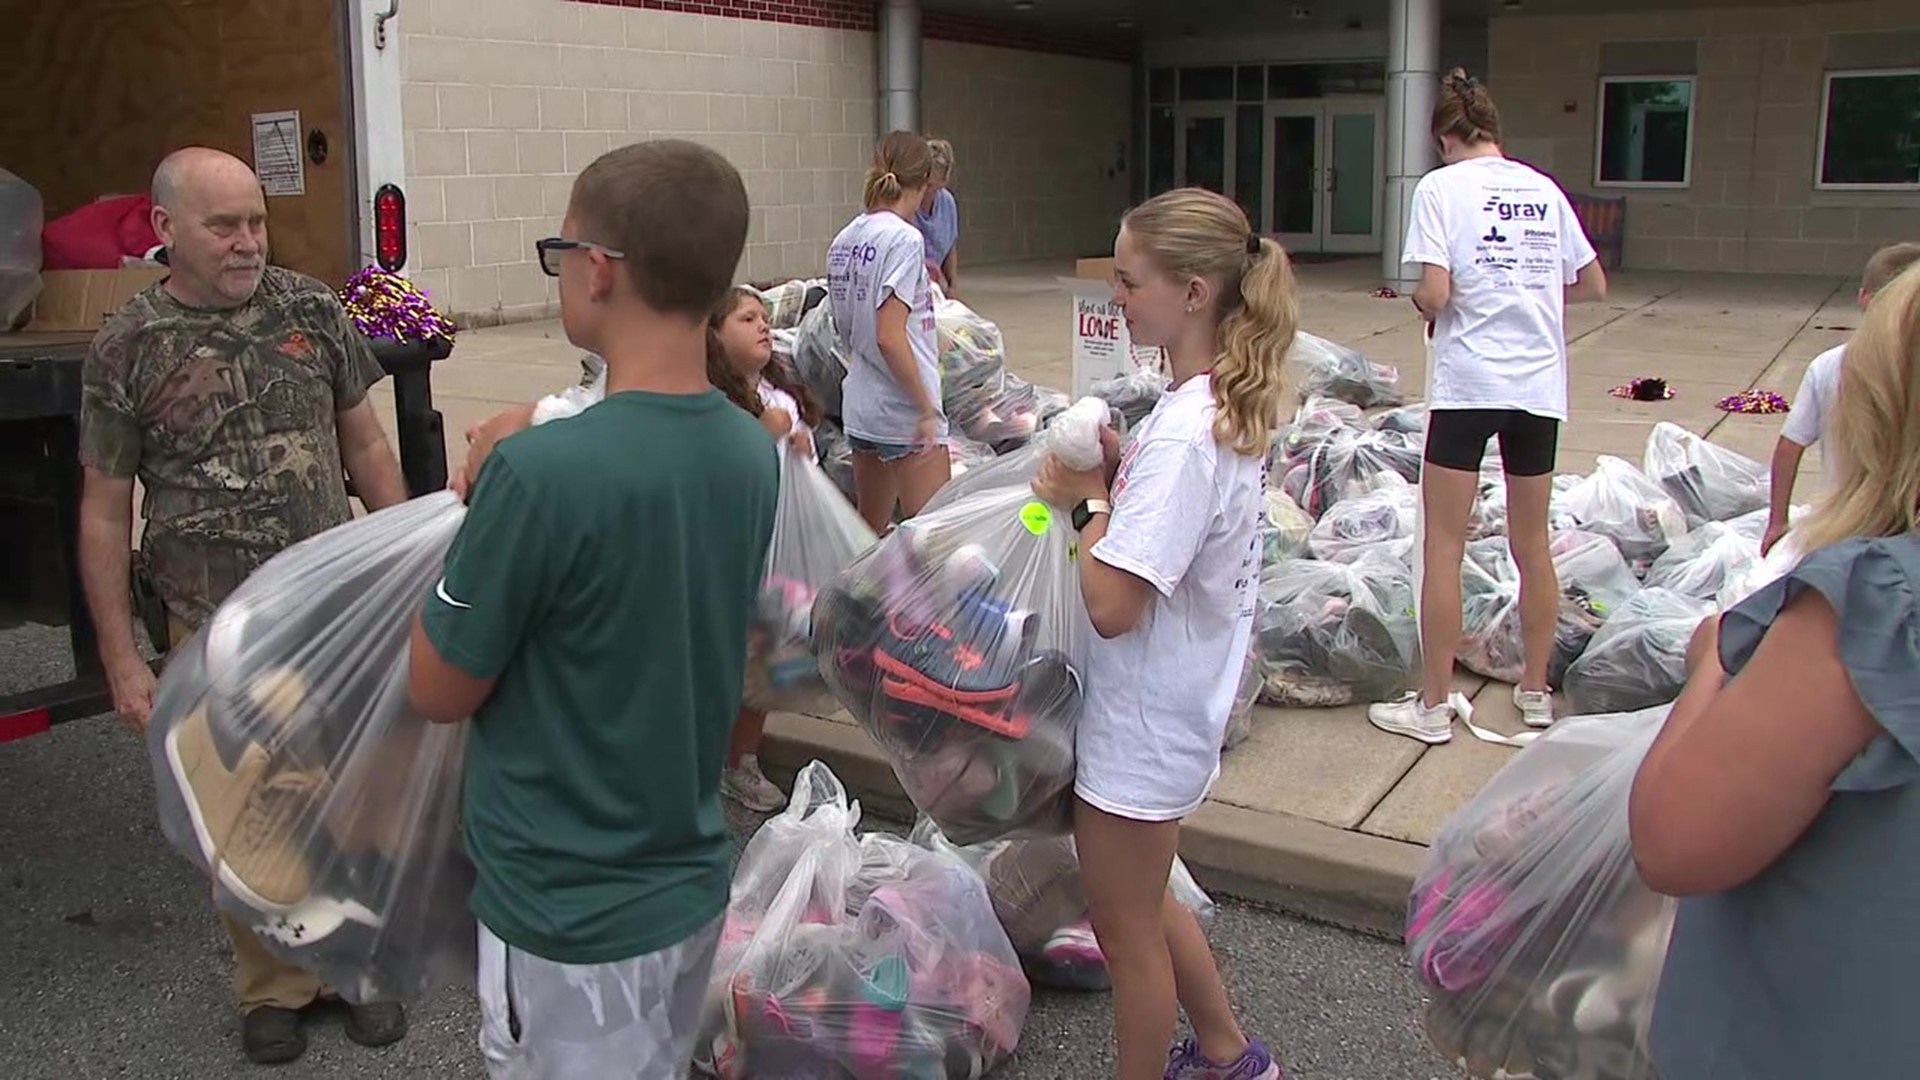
93	93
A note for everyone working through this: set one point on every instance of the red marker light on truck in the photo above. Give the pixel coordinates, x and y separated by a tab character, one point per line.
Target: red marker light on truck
389	228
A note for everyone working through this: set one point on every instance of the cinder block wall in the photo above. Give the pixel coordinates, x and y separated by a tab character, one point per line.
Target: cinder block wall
1752	203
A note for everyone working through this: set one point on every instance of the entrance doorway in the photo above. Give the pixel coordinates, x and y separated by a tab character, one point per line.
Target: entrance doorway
1323	174
1204	151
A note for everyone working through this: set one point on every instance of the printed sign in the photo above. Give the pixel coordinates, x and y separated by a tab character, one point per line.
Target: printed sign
277	157
1102	348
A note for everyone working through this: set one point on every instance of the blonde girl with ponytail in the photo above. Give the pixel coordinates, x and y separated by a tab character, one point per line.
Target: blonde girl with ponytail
1170	535
1781	800
883	309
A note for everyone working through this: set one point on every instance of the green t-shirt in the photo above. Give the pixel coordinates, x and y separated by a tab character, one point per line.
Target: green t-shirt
606	573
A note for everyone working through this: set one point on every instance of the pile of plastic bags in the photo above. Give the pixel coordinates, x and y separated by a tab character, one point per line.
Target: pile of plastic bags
959	640
816	534
1712	560
1620	503
1332	633
1708	482
1036	893
1322	466
1322	367
1538	946
1594	583
818	355
849	955
1383	520
291	771
1285	529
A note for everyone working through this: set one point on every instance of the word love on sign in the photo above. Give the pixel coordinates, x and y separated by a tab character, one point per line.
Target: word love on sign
1102	348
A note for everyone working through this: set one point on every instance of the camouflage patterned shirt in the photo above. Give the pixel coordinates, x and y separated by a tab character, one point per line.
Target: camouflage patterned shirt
227	418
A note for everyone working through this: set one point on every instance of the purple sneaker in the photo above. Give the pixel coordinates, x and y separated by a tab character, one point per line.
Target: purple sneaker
1186	1062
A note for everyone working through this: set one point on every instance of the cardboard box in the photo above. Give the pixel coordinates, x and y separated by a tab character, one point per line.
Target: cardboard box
80	300
1102	348
1100	269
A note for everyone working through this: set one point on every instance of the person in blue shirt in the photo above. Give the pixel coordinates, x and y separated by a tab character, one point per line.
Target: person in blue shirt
939	220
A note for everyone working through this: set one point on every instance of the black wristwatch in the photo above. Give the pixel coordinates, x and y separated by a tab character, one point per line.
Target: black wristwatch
1083	513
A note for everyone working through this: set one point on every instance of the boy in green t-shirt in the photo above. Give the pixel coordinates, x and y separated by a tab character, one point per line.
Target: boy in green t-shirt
593	622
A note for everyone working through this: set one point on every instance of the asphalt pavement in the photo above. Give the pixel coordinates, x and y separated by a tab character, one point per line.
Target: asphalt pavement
112	964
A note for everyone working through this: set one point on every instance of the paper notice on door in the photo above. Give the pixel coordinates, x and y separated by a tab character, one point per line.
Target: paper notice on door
1102	348
277	158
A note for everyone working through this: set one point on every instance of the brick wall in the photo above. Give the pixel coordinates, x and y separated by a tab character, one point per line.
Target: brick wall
830	14
505	101
1751	204
1035	146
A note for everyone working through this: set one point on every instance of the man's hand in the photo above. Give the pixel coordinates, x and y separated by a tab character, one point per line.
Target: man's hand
132	683
481	439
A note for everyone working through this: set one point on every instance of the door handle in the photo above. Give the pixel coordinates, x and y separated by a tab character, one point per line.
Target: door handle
1333	179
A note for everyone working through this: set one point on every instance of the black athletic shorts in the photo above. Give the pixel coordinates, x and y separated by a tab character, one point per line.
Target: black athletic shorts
1457	439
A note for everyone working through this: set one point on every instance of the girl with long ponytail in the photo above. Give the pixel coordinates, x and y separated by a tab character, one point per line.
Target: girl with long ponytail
1170	535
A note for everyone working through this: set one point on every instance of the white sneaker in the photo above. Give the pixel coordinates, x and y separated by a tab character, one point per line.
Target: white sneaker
1409	717
1536	706
748	786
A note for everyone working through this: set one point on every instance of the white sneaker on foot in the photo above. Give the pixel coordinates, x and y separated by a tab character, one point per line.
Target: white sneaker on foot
1432	725
1536	706
748	786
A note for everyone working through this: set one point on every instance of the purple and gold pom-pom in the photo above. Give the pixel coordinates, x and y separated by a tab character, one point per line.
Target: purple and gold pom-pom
1754	403
385	305
1650	388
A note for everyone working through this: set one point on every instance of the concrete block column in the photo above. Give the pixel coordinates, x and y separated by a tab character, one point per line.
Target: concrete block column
1413	79
899	65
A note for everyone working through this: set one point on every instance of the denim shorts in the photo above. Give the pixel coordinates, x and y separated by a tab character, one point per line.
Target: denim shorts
887	452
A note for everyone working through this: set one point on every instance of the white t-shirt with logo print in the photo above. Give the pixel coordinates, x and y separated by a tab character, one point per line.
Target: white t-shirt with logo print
1186	520
772	397
880	255
1512	243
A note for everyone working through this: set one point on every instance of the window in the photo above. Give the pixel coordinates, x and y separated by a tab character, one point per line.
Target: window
1646	131
1870	130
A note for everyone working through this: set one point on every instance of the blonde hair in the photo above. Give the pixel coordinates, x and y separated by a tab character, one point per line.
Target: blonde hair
1192	232
942	152
1874	430
901	163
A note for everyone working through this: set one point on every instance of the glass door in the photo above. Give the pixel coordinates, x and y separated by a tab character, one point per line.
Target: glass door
1293	166
1204	154
1352	151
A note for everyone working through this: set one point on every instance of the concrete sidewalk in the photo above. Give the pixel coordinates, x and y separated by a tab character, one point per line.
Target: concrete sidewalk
1317	811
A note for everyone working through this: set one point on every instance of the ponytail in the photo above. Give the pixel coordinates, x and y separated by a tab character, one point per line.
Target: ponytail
902	163
1249	379
1465	110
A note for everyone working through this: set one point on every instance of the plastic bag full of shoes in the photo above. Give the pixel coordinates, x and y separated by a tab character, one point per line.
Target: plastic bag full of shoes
1325	368
1711	483
291	771
816	534
1619	502
1538	946
850	954
1335	633
959	640
1037	895
1638	657
1594	582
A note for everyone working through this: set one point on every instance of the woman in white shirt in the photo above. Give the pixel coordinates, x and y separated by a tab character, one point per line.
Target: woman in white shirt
1500	253
883	308
1170	580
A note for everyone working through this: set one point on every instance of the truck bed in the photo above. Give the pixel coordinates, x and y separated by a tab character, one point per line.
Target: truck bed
40	375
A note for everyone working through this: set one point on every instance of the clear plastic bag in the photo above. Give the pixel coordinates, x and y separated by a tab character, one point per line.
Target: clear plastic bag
1407	419
1134	394
1284	531
1313	423
820	357
1711	561
958	643
1594	582
1322	367
1350	462
836	457
1003	412
22	215
966	454
1038	897
1638	657
1335	633
1529	928
859	956
575	399
291	771
1620	503
1383	520
788	301
1710	483
972	350
816	535
1245	696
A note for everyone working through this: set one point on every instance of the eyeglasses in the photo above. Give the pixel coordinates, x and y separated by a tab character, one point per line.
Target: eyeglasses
553	247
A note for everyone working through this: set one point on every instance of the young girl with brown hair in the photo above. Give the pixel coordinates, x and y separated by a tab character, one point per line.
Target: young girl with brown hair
1170	532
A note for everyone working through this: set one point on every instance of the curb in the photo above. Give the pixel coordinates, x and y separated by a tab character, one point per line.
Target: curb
1303	867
